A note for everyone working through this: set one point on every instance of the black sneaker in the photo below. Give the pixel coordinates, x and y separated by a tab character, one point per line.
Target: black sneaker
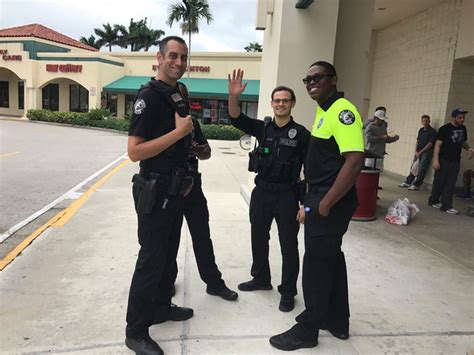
292	340
144	346
225	293
174	313
340	334
253	285
287	303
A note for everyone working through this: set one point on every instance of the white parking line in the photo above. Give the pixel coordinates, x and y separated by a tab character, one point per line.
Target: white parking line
71	194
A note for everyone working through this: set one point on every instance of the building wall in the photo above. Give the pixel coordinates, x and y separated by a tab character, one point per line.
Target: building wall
221	64
351	57
12	78
412	68
465	45
461	94
293	39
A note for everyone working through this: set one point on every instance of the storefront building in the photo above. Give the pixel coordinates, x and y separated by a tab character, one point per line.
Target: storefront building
41	68
413	57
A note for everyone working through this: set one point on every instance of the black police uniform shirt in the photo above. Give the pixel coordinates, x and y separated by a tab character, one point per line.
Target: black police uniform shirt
453	138
424	137
344	134
288	144
153	116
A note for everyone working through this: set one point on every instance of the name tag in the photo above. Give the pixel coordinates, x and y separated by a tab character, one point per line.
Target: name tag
176	97
288	142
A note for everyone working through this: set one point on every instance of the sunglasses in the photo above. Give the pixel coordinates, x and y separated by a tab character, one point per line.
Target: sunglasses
281	101
316	78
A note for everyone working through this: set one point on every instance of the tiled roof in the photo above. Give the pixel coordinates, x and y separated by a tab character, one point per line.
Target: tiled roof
40	31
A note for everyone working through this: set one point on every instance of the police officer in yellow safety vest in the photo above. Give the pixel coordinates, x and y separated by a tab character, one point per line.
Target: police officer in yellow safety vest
334	160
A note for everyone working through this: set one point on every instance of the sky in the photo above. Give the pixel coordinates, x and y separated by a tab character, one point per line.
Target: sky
232	29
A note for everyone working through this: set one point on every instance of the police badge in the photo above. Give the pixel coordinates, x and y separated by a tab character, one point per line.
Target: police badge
139	107
292	133
347	117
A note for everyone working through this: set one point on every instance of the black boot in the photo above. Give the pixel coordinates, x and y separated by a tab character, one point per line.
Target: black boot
224	292
174	313
287	303
254	285
294	338
144	346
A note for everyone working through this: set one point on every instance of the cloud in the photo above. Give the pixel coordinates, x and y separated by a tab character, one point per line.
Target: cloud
232	29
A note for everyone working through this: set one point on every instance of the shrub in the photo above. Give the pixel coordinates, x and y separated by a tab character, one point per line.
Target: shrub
94	118
227	133
98	114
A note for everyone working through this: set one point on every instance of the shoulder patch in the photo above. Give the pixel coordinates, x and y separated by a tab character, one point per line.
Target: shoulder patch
347	117
139	107
320	123
292	133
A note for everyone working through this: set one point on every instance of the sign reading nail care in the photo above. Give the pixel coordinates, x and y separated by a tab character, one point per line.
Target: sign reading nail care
64	68
6	56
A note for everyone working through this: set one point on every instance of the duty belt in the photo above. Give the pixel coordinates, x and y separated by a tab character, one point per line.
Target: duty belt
163	179
274	186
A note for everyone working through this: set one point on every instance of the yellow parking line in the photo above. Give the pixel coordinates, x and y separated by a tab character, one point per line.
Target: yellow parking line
59	219
8	154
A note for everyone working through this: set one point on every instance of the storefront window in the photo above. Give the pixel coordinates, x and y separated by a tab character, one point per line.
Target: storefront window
4	97
112	104
78	98
21	95
129	101
217	111
51	97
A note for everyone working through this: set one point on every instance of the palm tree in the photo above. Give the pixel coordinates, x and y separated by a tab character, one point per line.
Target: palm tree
107	36
91	41
150	37
254	47
189	12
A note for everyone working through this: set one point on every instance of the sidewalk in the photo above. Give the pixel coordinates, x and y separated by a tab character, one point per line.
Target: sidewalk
410	286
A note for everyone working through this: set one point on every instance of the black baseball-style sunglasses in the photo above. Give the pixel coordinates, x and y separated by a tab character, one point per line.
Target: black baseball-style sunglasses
316	78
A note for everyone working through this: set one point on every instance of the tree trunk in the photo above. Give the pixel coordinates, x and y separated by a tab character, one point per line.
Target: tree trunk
189	58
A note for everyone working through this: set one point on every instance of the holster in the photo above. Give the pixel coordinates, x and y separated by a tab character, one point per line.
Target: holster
180	183
146	192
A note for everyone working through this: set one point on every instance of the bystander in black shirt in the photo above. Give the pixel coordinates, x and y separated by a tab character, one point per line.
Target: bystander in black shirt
453	138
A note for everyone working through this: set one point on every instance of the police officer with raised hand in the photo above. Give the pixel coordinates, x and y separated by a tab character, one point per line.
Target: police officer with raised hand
282	146
335	158
160	138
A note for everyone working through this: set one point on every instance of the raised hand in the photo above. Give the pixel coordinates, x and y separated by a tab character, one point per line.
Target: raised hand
236	87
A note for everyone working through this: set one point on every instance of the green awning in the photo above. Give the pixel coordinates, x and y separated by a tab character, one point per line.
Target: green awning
198	87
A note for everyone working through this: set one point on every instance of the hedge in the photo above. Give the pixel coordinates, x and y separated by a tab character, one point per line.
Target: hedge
94	119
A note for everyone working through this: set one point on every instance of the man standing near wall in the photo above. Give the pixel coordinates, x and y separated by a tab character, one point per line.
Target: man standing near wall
376	138
452	137
334	160
424	152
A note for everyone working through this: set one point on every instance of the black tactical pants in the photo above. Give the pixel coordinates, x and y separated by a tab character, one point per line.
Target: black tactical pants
155	270
324	266
197	217
265	205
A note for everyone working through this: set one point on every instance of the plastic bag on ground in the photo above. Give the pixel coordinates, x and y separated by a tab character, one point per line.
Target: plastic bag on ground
415	167
401	212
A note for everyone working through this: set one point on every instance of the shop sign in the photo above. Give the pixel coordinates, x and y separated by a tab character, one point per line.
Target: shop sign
192	68
64	68
6	56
